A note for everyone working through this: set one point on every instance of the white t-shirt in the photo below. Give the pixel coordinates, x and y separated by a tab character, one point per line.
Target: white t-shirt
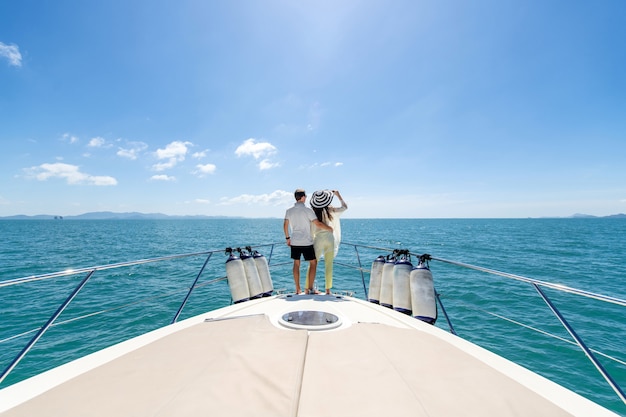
300	218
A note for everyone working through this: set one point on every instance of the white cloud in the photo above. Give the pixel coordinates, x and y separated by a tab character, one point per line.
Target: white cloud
96	142
132	150
322	165
71	174
202	201
205	169
256	149
176	149
66	137
276	198
266	164
199	155
174	152
162	166
162	178
12	53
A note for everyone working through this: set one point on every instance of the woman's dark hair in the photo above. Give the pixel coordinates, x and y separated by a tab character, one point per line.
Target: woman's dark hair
319	213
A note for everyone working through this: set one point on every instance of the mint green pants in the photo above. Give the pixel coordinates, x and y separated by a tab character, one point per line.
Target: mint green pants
324	245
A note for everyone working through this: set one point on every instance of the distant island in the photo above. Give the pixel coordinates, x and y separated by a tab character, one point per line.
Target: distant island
109	215
612	216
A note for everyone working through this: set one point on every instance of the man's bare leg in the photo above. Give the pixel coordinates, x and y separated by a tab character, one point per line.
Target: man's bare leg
310	279
296	275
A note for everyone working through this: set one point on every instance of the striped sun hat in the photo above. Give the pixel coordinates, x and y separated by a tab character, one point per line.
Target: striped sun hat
321	199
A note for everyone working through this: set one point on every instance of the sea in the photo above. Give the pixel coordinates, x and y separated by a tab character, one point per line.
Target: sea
504	314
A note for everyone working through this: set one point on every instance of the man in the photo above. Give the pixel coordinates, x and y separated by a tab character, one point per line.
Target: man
299	218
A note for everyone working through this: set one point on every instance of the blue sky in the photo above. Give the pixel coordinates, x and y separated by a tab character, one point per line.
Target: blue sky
417	109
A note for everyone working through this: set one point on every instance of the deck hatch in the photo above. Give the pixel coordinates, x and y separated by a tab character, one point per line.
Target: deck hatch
310	319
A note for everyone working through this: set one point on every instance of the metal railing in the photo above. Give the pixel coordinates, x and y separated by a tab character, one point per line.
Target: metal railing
355	265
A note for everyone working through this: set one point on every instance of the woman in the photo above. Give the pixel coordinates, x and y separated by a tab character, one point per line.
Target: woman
326	243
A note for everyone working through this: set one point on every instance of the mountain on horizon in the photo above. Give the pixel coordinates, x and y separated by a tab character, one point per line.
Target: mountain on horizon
109	215
582	216
589	216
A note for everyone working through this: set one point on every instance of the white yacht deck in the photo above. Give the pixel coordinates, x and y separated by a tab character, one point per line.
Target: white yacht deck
241	361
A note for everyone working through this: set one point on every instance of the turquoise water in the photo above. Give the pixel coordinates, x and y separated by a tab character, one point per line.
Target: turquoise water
583	253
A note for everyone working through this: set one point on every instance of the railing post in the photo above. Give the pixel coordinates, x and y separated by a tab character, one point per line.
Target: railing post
193	286
358	258
582	344
46	326
269	257
445	313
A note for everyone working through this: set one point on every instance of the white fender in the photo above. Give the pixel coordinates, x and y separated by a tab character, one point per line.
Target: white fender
386	283
423	298
252	276
237	281
401	286
376	275
264	273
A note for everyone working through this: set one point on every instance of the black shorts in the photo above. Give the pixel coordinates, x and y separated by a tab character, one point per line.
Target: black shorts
307	251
